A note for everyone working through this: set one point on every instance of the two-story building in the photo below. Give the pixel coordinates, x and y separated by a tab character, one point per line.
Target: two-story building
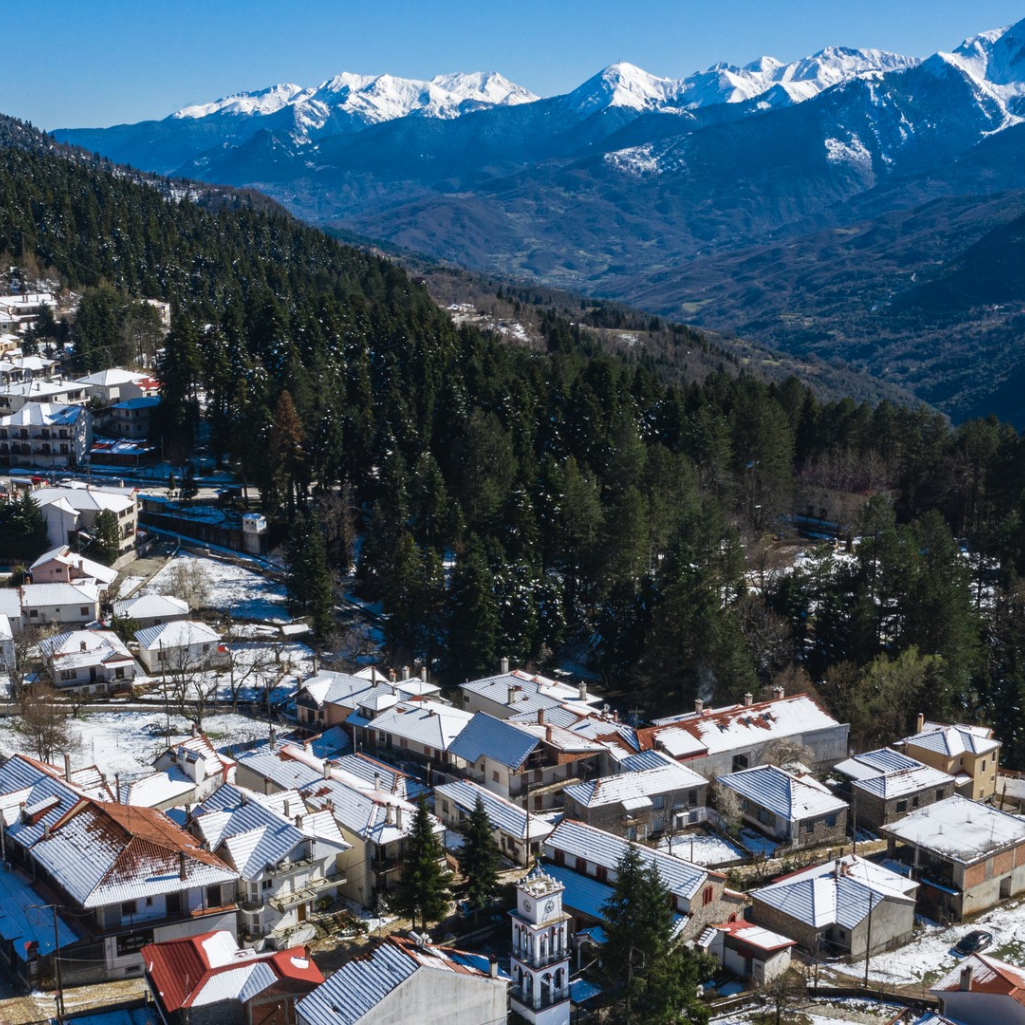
63	566
968	753
287	858
73	508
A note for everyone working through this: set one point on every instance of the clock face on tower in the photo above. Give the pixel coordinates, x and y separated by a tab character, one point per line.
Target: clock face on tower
549	907
526	905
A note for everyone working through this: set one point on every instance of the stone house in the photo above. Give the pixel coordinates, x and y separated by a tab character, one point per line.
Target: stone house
839	908
750	951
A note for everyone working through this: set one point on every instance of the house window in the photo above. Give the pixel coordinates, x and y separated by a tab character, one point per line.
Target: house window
739	762
983	764
631	832
173	902
67	674
658	801
266	884
84	610
809	826
830	821
494	775
763	816
213	896
692	798
939	795
707	896
119	673
902	806
33	613
128	908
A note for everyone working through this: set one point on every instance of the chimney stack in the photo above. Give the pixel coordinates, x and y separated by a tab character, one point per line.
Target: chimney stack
398	818
582	690
493	966
326	770
540	717
389	815
920	722
510	695
699	705
405	672
273	739
778	692
182	872
298	822
287	808
548	734
117	786
193	731
749	698
505	666
377	781
966	979
67	766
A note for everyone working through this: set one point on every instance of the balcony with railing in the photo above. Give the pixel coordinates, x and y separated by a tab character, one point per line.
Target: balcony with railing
539	998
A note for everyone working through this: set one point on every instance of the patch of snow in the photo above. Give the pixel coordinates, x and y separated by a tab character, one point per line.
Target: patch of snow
852	152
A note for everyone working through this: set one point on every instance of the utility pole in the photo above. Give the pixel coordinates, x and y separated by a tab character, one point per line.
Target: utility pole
58	995
868	945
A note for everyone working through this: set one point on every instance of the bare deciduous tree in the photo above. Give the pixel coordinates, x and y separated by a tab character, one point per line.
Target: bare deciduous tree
45	721
727	803
188	579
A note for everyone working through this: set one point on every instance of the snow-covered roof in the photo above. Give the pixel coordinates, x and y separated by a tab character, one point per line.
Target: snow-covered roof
21	921
578	840
791	797
841	892
195	971
875	763
372	772
86	567
523	692
81	592
428	723
374	816
158	788
250	835
110	378
41	414
747	932
361	984
903	782
77	649
719	730
501	741
510	818
988	975
646	783
87	499
150	606
183	633
107	853
277	766
10	602
955	740
6	631
958	829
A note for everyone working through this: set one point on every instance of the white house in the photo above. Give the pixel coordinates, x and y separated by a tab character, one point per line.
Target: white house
62	566
116	385
748	950
96	660
45	434
152	609
78	602
75	507
181	645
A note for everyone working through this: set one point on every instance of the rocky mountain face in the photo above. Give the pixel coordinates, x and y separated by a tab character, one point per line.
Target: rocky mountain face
675	194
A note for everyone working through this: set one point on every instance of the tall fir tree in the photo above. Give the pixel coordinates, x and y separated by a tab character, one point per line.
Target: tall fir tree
308	576
471	616
479	858
422	893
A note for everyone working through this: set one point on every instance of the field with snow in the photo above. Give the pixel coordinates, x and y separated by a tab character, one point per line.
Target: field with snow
127	742
819	1012
702	848
234	589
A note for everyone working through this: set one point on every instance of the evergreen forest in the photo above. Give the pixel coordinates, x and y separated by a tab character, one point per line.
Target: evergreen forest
559	505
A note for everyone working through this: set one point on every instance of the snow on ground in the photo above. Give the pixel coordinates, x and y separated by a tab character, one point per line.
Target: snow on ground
930	954
756	843
702	848
128	585
127	742
234	589
839	1011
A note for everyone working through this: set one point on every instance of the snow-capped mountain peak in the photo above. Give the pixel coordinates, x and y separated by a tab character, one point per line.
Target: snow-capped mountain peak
262	102
622	85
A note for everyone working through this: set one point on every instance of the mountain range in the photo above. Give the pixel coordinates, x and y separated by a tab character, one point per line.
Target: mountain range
827	206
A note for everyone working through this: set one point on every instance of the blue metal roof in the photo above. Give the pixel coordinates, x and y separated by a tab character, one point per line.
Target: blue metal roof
499	740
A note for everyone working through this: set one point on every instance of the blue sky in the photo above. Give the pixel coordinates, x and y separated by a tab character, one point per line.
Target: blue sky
103	62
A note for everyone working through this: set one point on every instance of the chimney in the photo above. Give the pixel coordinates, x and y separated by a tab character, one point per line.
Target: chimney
749	698
67	767
182	873
920	722
510	695
493	966
778	692
540	717
548	734
505	666
117	786
46	832
391	675
287	808
966	979
583	690
699	705
273	739
193	731
398	818
389	815
405	672
298	822
81	645
326	770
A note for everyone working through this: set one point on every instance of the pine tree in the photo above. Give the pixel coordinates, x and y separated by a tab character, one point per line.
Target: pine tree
308	578
479	858
653	976
472	616
106	537
422	893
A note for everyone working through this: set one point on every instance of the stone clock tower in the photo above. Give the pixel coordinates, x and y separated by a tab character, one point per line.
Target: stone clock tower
540	951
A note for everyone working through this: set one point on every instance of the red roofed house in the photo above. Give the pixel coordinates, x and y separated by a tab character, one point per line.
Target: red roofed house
128	876
749	951
717	741
983	991
208	980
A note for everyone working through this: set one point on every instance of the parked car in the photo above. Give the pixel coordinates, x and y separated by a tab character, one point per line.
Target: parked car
973	942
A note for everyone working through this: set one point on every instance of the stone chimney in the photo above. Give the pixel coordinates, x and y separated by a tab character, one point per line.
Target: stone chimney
966	979
183	873
298	822
540	717
699	705
193	731
778	692
398	818
548	734
67	766
493	966
389	815
504	666
749	698
582	690
287	808
377	781
920	722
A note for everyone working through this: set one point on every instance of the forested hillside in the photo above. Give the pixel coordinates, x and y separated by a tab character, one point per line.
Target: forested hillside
531	503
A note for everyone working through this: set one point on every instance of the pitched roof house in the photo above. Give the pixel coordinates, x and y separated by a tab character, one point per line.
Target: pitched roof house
968	753
208	980
410	980
89	660
982	990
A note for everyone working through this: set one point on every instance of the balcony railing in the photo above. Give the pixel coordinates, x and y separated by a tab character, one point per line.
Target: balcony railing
540	998
285	901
